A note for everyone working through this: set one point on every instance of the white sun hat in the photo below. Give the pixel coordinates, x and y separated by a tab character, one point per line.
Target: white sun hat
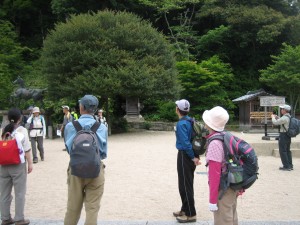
216	118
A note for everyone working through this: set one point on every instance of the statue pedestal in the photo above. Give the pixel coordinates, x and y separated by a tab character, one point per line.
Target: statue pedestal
134	118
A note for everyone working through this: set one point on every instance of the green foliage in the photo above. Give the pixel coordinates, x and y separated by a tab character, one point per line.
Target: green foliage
160	111
181	33
254	31
11	61
166	111
147	125
283	76
119	125
213	39
206	84
108	54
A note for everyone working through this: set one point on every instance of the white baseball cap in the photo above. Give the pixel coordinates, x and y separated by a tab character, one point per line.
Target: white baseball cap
216	118
183	105
286	107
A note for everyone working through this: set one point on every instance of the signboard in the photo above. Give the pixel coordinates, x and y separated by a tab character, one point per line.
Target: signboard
272	100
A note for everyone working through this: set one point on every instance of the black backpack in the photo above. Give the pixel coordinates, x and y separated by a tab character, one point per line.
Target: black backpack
294	127
85	152
241	163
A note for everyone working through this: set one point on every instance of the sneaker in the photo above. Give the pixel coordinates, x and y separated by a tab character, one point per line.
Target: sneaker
179	213
64	149
285	168
186	219
22	222
7	222
35	160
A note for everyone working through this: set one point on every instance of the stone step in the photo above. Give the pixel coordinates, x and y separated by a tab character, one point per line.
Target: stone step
295	152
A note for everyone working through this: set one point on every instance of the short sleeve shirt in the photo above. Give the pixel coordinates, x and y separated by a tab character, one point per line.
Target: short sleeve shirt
24	138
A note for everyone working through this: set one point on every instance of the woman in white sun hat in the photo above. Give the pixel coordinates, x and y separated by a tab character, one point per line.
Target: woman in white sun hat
37	133
224	209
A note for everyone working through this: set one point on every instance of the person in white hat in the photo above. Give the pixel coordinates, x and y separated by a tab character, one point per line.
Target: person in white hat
284	141
224	209
186	163
37	133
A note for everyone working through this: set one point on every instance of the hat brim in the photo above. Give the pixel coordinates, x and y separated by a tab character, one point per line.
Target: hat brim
207	120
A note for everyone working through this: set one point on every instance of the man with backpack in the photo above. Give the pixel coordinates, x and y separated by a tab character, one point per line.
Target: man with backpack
186	163
86	142
284	141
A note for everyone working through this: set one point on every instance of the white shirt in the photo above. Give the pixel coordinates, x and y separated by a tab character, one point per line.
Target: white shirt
39	126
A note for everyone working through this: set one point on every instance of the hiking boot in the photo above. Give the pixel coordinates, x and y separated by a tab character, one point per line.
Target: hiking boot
7	222
186	219
42	157
22	222
285	168
179	213
35	160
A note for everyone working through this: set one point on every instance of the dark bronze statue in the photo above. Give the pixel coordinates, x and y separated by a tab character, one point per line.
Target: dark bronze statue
27	93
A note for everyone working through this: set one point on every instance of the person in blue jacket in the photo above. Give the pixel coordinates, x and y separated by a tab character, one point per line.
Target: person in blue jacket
87	191
186	163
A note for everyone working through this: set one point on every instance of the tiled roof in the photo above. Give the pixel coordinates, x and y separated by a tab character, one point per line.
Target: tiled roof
251	95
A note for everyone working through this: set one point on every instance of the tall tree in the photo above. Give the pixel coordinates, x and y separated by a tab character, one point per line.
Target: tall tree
206	84
283	75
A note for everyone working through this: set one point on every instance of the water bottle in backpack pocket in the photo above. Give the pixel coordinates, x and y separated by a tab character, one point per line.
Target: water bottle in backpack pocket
235	173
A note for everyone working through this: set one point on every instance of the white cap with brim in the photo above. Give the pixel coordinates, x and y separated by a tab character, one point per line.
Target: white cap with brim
183	105
286	107
216	118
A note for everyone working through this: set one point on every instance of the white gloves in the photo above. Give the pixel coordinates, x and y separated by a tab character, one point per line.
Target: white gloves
212	207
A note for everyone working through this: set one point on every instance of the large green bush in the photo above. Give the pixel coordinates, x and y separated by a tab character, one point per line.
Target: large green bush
108	54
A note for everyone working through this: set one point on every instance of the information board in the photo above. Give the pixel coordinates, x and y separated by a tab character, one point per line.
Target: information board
272	100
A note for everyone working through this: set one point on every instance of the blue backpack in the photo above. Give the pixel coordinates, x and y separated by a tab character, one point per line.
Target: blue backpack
294	127
85	152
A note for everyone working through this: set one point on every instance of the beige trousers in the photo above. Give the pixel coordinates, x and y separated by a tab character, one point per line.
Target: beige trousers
227	214
13	176
84	190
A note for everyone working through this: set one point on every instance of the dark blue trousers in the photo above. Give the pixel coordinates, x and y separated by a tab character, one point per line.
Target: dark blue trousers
185	170
284	143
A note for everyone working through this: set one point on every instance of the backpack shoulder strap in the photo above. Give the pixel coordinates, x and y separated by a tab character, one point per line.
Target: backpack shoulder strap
288	116
77	125
95	127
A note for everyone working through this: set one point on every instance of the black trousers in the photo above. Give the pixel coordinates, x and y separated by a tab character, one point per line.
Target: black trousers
185	170
284	143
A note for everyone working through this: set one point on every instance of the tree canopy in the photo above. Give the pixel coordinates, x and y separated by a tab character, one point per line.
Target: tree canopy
108	53
206	84
283	75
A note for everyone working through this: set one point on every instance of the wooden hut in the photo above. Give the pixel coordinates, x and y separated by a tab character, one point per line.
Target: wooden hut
251	114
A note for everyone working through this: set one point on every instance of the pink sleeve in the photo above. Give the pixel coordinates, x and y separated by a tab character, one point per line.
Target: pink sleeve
214	176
